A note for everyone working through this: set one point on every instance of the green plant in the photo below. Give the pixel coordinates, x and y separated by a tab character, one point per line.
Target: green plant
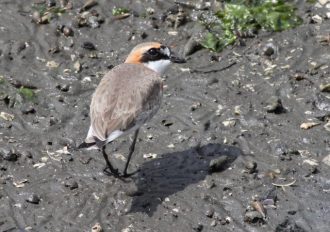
27	93
119	11
239	17
43	9
2	80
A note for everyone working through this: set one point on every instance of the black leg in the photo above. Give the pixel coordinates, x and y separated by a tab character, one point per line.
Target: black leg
131	150
109	165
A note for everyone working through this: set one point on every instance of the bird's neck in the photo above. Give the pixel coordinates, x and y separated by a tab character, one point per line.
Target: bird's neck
158	66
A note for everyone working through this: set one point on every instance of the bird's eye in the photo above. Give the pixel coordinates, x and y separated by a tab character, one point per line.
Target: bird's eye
152	52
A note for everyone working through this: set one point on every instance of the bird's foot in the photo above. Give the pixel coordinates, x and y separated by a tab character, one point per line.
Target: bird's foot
125	174
114	172
111	171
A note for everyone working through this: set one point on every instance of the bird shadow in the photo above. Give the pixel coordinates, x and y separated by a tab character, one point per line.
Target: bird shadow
173	172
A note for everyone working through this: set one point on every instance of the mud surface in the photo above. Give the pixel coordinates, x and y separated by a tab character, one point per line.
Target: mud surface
231	111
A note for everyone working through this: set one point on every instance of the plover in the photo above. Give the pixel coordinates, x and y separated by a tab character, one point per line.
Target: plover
128	96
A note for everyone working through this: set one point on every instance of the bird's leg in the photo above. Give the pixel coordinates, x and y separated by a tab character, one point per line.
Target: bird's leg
113	170
131	150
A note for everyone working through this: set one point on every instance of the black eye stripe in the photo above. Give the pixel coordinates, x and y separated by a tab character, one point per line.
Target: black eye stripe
154	54
153	51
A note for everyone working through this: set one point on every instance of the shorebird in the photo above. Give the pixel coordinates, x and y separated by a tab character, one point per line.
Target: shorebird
128	96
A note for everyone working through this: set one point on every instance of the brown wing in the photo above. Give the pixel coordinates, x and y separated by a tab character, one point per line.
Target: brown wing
128	95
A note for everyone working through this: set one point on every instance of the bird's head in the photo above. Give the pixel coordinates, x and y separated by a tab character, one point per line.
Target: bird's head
154	56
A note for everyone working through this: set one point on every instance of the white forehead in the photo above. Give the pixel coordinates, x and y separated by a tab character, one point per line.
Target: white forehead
165	51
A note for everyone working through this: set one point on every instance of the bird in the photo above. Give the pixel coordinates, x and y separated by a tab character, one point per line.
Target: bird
127	97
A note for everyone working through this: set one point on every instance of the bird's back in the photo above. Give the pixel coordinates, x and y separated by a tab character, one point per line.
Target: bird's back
127	96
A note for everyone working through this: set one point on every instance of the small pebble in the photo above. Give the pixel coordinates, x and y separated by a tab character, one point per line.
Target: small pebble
88	46
325	87
36	16
86	80
67	31
280	149
52	64
61	99
223	222
150	156
94	13
322	102
210	184
269	202
33	198
269	49
195	106
51	3
63	88
258	206
228	219
251	167
327	126
64	3
229	123
167	122
209	212
27	154
198	228
7	116
9	155
143	35
97	228
88	4
53	121
54	49
71	184
171	145
292	212
327	15
213	80
216	216
20	47
133	191
77	66
237	110
219	164
317	19
28	109
191	47
213	223
93	22
274	105
308	125
253	217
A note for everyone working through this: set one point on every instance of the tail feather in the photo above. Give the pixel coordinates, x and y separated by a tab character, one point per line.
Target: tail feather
97	144
86	145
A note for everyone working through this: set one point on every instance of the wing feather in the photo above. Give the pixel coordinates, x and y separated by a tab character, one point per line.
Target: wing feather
123	101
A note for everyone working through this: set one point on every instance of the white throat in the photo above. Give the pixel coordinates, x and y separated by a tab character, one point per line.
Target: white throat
158	66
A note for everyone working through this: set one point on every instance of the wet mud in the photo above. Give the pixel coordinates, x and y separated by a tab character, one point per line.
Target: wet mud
241	142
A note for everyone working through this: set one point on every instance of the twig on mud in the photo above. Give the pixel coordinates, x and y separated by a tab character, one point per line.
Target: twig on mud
18	84
53	156
284	185
214	70
324	39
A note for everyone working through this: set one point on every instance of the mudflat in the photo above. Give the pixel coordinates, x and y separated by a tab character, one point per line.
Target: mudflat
241	142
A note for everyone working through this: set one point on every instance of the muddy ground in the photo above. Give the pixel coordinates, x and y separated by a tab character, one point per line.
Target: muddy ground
240	110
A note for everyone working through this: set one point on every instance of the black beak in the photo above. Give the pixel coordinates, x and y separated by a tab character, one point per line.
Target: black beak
176	59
